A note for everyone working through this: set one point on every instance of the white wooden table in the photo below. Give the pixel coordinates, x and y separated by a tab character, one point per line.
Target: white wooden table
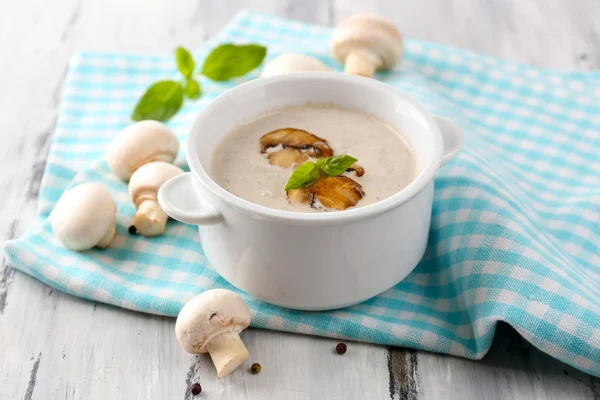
54	346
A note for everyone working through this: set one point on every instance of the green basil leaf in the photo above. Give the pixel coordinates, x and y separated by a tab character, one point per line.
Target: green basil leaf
161	101
229	61
192	89
335	165
320	162
306	174
185	62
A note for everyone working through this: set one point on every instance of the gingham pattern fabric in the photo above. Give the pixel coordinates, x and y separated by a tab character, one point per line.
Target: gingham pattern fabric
516	218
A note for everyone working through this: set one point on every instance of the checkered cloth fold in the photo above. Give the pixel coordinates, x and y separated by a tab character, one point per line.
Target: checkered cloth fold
516	217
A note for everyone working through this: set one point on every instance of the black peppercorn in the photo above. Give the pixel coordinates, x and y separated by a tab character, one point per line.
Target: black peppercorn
341	348
196	389
132	230
255	368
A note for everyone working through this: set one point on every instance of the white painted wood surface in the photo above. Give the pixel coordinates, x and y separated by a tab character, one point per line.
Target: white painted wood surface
54	346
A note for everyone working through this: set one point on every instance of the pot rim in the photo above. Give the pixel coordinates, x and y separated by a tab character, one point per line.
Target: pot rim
371	210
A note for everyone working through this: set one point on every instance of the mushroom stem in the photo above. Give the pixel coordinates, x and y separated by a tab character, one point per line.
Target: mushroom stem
362	62
227	352
108	237
150	219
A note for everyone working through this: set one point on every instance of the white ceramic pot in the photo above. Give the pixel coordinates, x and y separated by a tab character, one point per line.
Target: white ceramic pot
311	261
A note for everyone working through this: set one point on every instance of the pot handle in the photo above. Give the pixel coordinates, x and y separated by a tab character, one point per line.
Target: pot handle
178	199
453	138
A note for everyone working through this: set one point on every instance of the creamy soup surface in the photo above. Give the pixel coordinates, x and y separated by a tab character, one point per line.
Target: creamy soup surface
388	160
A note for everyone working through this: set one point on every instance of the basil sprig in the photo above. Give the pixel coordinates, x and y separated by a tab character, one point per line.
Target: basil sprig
307	173
192	89
230	61
336	165
185	62
304	175
163	99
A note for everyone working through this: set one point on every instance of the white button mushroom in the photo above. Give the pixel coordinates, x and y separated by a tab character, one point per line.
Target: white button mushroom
150	219
211	322
292	62
139	144
84	217
365	43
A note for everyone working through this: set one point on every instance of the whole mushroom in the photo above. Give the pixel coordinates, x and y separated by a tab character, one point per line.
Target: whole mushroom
365	43
139	144
292	62
84	217
211	322
150	219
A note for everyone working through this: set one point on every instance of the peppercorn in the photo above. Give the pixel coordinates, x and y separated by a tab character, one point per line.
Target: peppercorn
341	348
196	389
255	368
132	230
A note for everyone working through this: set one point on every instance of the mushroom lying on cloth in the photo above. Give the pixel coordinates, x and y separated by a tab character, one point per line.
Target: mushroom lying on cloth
150	219
297	139
338	192
211	322
139	144
292	62
84	217
365	43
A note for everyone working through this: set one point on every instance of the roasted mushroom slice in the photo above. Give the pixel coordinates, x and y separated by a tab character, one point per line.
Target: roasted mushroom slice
302	195
360	171
339	192
288	157
298	139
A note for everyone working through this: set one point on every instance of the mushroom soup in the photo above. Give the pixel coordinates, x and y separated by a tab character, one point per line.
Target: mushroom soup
256	160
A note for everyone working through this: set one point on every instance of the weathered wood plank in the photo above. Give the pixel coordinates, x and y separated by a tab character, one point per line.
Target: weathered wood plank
217	13
56	346
551	34
512	369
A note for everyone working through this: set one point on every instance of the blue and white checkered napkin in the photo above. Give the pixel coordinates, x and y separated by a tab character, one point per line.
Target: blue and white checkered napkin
516	219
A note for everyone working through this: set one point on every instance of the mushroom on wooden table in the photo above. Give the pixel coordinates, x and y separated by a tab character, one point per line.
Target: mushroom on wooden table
140	144
149	218
211	322
292	62
366	43
84	217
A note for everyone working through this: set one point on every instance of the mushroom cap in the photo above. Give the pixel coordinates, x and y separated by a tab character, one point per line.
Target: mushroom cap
83	215
292	62
147	179
371	32
139	144
207	315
